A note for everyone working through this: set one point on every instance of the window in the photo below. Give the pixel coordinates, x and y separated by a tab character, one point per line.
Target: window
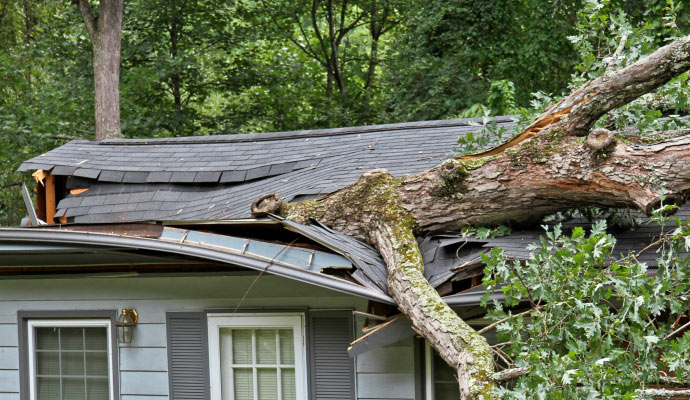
257	356
70	359
441	383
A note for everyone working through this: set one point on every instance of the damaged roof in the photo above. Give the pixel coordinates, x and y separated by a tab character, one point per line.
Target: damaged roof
181	181
218	177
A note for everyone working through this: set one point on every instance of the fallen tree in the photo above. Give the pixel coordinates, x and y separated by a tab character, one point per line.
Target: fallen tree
556	163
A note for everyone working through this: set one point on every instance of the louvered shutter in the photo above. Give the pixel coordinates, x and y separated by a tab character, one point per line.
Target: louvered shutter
188	356
332	369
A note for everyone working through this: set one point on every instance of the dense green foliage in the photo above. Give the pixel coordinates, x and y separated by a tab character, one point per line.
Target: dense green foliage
600	327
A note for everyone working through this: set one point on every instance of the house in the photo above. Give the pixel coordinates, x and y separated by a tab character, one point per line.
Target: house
153	281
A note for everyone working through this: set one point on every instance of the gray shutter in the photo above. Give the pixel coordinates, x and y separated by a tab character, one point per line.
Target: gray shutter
188	356
332	370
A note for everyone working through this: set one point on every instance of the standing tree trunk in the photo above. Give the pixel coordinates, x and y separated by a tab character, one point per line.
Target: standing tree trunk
105	32
549	167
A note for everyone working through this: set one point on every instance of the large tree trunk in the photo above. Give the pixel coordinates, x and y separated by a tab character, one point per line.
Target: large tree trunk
548	167
105	34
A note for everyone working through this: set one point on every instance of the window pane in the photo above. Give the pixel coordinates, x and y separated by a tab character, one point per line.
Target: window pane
73	389
445	384
72	338
72	363
287	347
244	383
46	338
97	389
266	346
242	346
268	383
288	384
96	339
48	389
97	364
47	363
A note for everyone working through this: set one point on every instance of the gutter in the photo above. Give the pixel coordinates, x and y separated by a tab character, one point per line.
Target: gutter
88	238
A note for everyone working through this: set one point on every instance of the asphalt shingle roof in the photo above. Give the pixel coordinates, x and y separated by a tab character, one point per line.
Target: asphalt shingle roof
216	177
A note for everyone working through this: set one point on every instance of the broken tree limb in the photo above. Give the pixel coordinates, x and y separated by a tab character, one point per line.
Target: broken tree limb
547	168
509	374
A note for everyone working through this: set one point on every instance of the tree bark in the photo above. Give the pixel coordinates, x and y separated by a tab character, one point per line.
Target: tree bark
548	167
105	34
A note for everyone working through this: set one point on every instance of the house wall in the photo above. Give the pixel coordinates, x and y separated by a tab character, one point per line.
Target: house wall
385	373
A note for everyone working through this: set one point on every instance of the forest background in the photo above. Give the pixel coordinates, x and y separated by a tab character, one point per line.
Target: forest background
194	67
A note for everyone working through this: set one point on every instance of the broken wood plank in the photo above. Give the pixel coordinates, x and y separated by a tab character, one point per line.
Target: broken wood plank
393	331
50	198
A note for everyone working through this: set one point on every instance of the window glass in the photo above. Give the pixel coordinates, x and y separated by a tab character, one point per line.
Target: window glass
445	384
71	363
263	363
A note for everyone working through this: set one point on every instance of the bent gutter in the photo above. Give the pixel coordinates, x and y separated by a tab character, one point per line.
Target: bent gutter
89	238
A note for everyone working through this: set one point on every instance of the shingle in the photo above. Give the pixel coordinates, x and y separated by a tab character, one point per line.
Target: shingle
284	168
87	173
71	201
233	176
141	197
163	176
120	208
73	211
183	177
135	177
63	170
166	196
258	172
207	177
27	166
92	201
111	176
149	205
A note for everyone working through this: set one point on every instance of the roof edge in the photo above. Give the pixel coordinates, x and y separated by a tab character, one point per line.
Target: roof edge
62	236
267	136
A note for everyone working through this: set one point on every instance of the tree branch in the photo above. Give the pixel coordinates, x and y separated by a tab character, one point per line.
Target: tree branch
89	19
509	374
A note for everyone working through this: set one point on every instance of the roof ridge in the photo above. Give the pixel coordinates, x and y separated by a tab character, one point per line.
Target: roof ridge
269	136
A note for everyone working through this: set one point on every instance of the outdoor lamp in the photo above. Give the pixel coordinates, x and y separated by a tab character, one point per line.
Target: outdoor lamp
125	324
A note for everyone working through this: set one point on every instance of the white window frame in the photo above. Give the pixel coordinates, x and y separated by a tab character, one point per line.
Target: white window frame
65	323
429	374
295	321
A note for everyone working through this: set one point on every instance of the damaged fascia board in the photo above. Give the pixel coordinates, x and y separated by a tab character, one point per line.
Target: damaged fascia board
203	252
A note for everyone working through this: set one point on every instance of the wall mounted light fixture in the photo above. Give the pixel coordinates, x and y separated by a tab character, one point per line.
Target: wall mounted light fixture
125	324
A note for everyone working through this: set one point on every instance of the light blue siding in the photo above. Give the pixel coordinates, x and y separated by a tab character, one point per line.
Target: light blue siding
385	386
149	335
8	333
9	358
143	383
143	358
9	381
9	396
387	372
149	397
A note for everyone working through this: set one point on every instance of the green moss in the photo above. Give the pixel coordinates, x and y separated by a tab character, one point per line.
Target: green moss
540	148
